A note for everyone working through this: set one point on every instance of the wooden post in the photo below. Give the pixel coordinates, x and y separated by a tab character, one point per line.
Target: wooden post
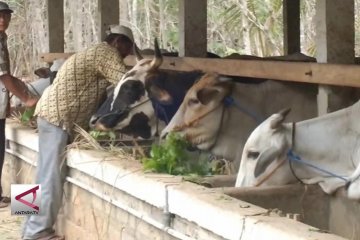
109	13
192	28
335	36
56	25
291	21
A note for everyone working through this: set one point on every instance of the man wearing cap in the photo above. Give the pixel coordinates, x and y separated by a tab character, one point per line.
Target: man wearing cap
8	83
71	99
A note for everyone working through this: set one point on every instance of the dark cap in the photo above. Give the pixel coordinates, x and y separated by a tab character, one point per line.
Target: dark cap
4	7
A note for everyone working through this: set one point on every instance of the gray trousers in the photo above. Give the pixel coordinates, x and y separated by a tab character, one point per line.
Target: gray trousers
52	143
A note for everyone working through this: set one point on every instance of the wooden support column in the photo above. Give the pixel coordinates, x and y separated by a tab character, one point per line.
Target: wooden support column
192	28
335	41
56	25
109	13
291	22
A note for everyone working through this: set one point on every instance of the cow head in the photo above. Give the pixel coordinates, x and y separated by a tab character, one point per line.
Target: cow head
264	155
200	114
129	108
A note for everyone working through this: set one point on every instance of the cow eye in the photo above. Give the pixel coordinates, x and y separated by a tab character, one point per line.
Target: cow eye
253	154
193	101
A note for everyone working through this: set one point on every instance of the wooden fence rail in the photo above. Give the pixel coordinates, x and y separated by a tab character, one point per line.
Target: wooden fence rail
321	73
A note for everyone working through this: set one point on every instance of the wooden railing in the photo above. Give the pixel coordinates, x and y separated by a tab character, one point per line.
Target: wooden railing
320	73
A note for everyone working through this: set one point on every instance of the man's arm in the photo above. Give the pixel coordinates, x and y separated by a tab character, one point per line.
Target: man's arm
19	89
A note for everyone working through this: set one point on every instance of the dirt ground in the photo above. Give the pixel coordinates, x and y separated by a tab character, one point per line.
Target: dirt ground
10	225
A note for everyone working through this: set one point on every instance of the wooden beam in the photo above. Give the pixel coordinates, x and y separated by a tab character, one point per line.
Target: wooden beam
50	57
192	28
291	22
56	25
332	74
109	12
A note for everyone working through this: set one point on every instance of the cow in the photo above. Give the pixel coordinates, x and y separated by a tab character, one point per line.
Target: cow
46	77
143	91
166	53
141	120
218	115
323	150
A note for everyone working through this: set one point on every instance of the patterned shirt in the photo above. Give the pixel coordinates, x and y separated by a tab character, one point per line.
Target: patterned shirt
4	69
79	86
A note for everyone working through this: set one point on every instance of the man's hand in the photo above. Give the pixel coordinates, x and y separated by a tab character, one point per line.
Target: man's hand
31	101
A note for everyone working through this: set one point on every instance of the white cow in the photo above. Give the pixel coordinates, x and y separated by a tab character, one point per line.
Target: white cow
323	150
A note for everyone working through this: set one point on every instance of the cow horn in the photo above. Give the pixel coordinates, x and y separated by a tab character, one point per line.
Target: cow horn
137	53
158	59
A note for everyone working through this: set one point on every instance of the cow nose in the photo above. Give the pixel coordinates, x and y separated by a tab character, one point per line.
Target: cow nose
93	120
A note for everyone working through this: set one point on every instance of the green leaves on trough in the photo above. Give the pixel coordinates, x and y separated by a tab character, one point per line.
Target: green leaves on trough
98	135
172	157
27	115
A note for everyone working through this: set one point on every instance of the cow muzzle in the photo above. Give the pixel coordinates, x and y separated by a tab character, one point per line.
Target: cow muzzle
107	122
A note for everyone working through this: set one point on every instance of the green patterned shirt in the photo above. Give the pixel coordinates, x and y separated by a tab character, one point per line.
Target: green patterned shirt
79	86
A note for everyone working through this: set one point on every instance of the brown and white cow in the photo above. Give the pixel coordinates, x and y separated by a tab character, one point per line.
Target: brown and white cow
218	115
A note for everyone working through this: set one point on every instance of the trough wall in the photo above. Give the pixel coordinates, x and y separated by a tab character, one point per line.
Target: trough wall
106	197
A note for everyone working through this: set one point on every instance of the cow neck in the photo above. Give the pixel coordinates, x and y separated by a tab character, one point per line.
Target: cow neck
220	127
234	130
332	150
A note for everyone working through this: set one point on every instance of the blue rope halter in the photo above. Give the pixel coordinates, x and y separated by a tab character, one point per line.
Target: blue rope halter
292	157
296	158
230	101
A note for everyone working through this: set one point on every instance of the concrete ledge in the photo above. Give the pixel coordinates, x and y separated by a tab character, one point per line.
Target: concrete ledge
21	134
108	187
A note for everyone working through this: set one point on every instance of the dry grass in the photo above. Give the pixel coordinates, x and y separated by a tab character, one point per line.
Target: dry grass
83	140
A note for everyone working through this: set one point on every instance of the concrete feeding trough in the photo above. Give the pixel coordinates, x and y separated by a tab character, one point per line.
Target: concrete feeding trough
107	197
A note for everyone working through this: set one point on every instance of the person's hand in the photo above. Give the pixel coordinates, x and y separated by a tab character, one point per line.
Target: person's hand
31	101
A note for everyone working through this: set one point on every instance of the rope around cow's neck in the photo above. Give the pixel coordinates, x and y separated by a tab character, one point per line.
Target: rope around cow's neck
292	157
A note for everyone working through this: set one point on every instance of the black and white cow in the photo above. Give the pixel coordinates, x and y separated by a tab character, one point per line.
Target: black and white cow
145	99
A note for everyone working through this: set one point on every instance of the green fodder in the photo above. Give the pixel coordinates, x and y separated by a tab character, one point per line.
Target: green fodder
173	158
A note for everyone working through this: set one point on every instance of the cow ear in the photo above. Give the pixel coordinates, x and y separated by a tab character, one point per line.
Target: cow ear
43	72
160	95
278	118
265	158
205	95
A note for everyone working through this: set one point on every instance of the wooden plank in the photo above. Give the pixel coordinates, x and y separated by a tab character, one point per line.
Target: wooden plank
291	22
50	57
332	74
192	28
56	25
109	12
